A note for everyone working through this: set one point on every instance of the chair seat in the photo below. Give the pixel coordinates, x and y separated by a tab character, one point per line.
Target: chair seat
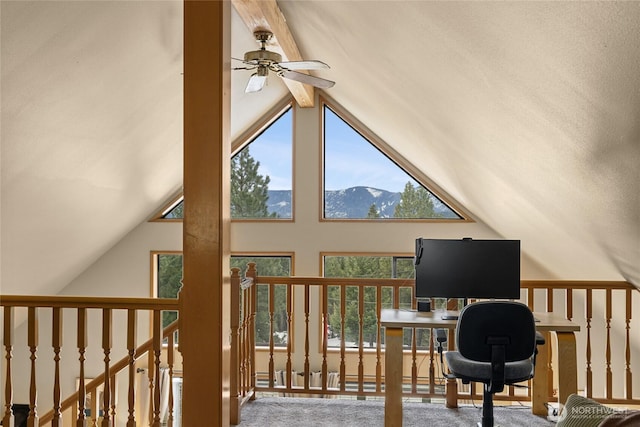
471	370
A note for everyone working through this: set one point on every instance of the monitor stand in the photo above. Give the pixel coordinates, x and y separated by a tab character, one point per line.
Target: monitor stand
424	306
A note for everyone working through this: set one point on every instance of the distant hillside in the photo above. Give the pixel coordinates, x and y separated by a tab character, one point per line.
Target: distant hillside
280	203
352	202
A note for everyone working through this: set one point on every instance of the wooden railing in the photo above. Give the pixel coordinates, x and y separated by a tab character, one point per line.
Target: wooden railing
304	365
307	362
73	408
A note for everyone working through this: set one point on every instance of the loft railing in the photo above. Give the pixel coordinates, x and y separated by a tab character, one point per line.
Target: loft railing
306	364
73	410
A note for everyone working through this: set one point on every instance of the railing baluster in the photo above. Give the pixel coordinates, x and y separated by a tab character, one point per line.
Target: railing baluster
151	379
589	314
106	348
247	350
131	348
82	346
157	349
170	363
95	407
114	400
32	342
271	330
609	375
378	340
56	343
251	342
307	365
289	366
361	290
628	377
325	336
343	369
7	337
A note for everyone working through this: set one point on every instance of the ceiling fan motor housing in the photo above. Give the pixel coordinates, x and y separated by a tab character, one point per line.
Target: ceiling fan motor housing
262	57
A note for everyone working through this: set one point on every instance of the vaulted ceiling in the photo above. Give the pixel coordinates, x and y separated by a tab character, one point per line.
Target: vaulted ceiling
526	113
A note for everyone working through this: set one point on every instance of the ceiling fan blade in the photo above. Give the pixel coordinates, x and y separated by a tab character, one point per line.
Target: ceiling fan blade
306	79
304	65
256	83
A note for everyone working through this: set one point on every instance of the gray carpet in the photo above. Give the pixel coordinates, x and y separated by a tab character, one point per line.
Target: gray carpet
290	411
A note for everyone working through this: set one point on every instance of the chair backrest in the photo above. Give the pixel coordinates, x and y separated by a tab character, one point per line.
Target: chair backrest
482	323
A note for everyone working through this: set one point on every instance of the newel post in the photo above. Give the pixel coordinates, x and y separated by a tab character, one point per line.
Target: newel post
235	346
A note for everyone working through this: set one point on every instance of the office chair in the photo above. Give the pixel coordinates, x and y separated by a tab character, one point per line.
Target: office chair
496	345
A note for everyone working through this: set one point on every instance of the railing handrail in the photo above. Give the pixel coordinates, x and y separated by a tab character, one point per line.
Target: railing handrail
578	284
118	303
314	280
372	281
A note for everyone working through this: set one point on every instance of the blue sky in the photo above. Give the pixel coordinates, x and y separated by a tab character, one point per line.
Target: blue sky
350	159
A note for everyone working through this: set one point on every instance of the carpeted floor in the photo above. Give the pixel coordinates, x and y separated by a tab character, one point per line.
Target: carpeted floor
290	411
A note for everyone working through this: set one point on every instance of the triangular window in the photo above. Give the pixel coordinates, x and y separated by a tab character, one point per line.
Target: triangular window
362	182
261	174
175	210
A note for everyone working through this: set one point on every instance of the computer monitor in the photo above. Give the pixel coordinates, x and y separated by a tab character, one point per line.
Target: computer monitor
467	268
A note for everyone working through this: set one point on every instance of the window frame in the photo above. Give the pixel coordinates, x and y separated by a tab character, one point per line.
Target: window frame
392	255
153	292
393	156
239	143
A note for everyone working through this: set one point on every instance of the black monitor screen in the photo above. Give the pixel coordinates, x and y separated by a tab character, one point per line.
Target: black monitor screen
467	268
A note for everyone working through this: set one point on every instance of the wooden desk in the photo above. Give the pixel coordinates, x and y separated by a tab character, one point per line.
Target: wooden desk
394	320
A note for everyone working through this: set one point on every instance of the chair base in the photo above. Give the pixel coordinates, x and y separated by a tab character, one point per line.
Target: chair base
487	408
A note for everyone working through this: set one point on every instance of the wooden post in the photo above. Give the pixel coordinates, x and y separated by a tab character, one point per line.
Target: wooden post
205	296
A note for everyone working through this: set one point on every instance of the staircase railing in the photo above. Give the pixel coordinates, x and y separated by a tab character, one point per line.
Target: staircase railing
127	310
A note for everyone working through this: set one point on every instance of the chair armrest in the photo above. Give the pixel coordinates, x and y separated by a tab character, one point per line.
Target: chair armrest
539	338
441	335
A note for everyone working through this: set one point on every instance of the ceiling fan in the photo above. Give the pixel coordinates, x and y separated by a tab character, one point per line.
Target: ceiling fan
263	61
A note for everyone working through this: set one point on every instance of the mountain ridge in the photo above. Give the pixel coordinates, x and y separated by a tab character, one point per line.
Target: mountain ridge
352	202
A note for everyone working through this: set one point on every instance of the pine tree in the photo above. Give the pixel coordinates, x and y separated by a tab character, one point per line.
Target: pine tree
249	189
373	211
169	282
415	202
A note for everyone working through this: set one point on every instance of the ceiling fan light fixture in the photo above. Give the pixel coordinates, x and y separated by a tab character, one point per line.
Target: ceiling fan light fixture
257	80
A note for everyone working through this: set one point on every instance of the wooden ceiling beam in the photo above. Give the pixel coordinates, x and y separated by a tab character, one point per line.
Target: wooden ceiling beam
266	15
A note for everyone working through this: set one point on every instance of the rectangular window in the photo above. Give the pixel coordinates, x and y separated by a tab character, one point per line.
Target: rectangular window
168	277
344	314
168	281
